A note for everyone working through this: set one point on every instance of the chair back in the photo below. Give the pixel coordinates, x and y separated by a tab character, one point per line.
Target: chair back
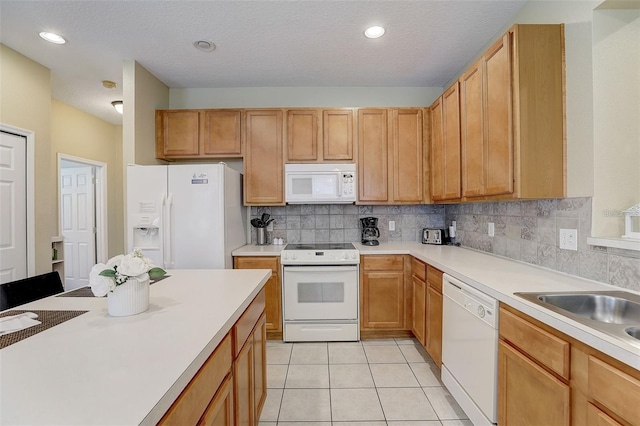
29	289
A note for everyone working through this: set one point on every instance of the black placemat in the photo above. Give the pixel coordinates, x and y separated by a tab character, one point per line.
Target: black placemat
48	319
86	291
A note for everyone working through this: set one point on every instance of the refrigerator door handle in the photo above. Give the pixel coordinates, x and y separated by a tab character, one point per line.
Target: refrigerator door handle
169	232
163	233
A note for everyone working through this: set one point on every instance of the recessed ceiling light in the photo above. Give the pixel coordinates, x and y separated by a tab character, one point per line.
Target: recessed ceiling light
52	38
204	45
118	106
108	84
374	32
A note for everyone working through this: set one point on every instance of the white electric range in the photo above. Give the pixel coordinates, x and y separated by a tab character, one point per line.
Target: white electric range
320	292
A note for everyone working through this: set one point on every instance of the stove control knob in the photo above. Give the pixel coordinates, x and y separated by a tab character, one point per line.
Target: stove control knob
353	256
285	256
293	256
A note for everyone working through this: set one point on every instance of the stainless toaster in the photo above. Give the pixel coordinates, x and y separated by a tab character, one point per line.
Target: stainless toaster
435	236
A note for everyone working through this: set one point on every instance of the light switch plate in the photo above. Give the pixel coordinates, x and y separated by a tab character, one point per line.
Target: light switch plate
392	225
492	229
568	239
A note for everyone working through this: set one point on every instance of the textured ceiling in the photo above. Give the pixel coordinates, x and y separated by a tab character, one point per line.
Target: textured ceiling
268	43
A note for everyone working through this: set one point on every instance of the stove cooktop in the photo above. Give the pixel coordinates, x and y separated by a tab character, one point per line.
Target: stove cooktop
320	246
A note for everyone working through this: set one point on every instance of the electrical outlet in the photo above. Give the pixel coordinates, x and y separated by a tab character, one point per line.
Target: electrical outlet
392	225
492	229
569	239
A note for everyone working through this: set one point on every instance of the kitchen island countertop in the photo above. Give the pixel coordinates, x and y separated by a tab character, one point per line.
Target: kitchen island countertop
97	369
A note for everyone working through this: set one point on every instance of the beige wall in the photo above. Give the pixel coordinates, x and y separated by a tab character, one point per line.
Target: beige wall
143	94
26	103
274	97
616	78
76	133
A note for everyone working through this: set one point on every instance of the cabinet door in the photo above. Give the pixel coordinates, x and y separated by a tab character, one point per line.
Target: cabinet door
434	325
302	135
451	142
472	131
595	417
498	138
220	410
383	300
222	134
437	152
273	287
259	366
373	156
418	312
243	386
263	162
406	131
177	133
528	394
337	126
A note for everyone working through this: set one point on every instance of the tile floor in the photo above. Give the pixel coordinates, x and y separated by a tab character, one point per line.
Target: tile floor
374	382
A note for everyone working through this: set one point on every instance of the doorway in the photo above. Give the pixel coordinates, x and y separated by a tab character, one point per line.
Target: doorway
82	217
17	220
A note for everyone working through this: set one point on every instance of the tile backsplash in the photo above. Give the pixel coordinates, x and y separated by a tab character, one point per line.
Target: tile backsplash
528	231
524	230
337	223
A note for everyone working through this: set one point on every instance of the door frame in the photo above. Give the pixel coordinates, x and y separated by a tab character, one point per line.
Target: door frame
100	199
30	184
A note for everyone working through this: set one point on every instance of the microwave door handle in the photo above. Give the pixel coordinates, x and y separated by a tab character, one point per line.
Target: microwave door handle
340	185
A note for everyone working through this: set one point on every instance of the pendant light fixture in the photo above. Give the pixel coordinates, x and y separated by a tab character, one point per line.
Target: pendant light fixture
118	106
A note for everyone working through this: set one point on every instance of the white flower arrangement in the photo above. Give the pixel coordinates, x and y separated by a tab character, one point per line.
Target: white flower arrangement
105	278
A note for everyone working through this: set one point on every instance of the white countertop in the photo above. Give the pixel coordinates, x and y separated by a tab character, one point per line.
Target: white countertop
501	278
97	369
256	250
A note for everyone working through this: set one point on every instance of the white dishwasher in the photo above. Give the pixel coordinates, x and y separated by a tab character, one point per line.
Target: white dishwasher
470	349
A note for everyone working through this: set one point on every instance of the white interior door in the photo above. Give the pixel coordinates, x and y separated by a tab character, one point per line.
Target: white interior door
13	199
78	224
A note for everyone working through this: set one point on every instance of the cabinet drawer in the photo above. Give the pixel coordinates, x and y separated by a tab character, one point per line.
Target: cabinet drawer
383	263
250	262
434	278
195	398
547	349
614	389
242	329
418	268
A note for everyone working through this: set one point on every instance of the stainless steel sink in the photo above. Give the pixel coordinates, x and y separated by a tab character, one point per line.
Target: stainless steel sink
616	313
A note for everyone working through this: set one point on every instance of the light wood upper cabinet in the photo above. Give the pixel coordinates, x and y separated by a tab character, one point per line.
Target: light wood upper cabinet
472	131
316	135
373	156
512	117
445	146
263	162
407	145
177	134
193	134
222	134
302	135
337	135
390	156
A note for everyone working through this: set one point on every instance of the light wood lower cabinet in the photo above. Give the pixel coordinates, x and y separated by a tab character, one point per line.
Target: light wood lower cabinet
548	378
273	289
220	412
231	387
528	394
419	301
385	295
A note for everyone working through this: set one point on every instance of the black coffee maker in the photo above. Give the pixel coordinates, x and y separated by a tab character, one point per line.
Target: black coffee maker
370	231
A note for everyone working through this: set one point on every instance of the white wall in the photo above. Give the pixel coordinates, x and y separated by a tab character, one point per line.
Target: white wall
616	78
275	97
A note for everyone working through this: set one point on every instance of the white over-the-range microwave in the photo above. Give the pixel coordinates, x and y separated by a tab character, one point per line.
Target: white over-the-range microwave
320	183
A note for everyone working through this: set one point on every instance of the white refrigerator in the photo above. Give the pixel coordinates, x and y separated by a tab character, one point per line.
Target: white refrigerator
186	216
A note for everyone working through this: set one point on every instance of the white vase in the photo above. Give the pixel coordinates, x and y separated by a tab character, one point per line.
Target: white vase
129	298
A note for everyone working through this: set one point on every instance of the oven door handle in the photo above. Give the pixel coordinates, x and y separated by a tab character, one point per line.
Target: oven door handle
323	269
